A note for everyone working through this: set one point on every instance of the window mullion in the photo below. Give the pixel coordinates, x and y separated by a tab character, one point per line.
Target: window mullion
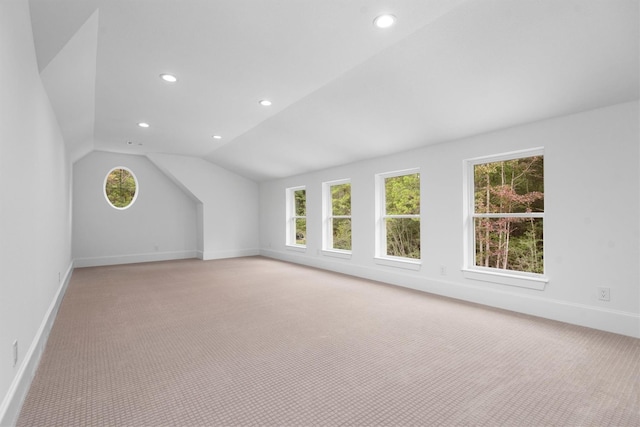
397	239
511	242
509	215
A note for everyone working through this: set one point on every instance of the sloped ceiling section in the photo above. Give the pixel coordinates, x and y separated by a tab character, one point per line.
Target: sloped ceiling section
54	22
342	90
71	90
482	67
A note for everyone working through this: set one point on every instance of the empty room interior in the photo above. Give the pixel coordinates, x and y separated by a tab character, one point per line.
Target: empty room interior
319	212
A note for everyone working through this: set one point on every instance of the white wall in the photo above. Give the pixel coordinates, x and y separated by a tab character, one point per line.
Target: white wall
159	225
591	218
228	205
35	209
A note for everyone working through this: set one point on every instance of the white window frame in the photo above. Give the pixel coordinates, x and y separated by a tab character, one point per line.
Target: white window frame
328	217
292	217
381	256
489	274
104	188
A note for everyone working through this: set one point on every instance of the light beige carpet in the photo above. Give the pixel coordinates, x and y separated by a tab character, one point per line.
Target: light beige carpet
252	341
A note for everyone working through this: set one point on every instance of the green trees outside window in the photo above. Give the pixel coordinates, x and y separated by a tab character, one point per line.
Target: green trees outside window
508	214
402	215
300	216
506	223
340	217
120	188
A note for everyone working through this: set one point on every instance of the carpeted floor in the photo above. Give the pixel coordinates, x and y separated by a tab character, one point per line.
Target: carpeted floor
253	341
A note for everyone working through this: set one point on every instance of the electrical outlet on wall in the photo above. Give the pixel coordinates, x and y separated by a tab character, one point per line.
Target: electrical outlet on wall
604	294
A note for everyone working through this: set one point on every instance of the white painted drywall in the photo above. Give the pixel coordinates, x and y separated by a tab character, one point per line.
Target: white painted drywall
159	225
35	208
70	81
228	205
591	218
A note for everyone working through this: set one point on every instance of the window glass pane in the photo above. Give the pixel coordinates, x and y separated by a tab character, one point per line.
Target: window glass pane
510	186
120	187
403	237
402	195
510	243
301	231
342	233
300	202
341	199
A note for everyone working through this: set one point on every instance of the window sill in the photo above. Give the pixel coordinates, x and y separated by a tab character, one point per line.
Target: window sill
511	279
405	263
337	253
296	248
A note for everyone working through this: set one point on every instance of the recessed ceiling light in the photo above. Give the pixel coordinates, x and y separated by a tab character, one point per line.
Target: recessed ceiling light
384	21
217	137
264	102
143	125
169	78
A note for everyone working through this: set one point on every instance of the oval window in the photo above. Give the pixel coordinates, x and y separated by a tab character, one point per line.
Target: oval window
120	187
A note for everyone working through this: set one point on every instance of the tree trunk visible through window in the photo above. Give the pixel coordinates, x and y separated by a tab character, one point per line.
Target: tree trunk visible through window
120	187
402	215
341	216
508	223
300	215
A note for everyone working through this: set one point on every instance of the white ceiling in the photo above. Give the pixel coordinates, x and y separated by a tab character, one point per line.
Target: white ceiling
342	90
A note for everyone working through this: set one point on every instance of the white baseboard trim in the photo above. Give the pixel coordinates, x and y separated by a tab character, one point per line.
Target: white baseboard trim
615	321
209	255
134	258
13	400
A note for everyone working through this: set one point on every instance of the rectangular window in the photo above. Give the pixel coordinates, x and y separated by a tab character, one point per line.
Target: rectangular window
336	197
506	213
398	222
297	216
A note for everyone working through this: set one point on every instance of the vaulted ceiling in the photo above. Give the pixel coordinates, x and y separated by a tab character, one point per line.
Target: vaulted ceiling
342	90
